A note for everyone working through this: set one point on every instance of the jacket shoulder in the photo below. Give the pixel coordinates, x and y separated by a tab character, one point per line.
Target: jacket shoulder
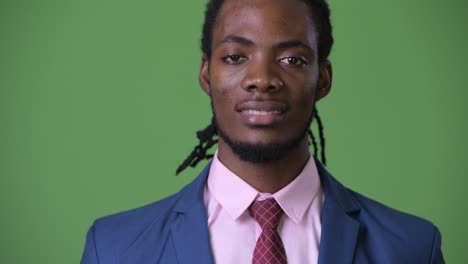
114	234
394	217
404	234
136	218
142	231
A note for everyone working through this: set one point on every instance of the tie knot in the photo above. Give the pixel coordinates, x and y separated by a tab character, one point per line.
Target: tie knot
267	213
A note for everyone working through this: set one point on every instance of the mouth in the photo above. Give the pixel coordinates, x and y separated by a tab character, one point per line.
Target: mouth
262	113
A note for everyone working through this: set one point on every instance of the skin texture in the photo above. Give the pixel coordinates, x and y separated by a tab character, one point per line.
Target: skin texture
264	52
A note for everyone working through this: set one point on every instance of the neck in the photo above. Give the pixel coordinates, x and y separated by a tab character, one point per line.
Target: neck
266	177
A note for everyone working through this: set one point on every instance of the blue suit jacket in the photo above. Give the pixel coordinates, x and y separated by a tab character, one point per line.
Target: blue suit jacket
355	229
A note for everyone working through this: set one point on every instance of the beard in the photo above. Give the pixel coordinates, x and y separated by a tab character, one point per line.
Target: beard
259	153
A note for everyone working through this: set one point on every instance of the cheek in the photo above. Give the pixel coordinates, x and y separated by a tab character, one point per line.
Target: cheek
304	107
304	96
223	95
303	87
224	79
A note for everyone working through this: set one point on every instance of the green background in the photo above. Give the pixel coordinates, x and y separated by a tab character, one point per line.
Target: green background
99	103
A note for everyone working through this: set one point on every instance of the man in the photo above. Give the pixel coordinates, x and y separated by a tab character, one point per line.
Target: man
264	198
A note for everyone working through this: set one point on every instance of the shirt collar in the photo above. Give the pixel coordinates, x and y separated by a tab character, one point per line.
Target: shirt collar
235	195
230	191
296	197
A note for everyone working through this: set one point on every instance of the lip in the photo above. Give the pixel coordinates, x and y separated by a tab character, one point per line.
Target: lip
262	113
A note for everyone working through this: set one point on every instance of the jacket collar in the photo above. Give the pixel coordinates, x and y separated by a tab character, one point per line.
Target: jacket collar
193	193
335	191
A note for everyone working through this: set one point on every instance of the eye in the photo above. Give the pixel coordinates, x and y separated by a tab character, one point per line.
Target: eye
293	61
234	59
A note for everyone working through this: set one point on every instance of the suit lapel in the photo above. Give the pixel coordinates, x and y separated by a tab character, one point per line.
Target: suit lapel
191	239
339	229
190	229
339	236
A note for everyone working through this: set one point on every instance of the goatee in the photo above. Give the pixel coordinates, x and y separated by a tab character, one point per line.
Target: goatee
262	153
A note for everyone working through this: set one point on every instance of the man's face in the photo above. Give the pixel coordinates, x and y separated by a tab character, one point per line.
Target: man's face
263	76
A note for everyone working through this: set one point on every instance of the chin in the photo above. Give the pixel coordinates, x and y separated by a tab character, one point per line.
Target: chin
260	152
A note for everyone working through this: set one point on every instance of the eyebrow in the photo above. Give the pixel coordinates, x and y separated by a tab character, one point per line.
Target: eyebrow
282	45
236	39
293	44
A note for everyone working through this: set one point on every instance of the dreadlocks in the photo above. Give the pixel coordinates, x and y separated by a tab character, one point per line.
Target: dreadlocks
207	138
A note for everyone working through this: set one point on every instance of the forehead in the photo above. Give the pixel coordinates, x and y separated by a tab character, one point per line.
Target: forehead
265	20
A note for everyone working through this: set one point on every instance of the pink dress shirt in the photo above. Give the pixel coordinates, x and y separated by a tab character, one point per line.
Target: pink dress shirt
234	232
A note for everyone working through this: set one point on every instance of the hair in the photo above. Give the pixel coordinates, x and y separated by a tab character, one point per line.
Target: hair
320	14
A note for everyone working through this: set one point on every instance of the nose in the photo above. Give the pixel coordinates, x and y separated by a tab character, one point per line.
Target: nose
261	76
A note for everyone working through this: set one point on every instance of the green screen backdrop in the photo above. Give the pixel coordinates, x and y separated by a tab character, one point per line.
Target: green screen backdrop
99	103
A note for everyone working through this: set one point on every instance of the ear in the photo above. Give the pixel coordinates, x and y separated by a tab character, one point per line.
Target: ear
204	75
325	80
